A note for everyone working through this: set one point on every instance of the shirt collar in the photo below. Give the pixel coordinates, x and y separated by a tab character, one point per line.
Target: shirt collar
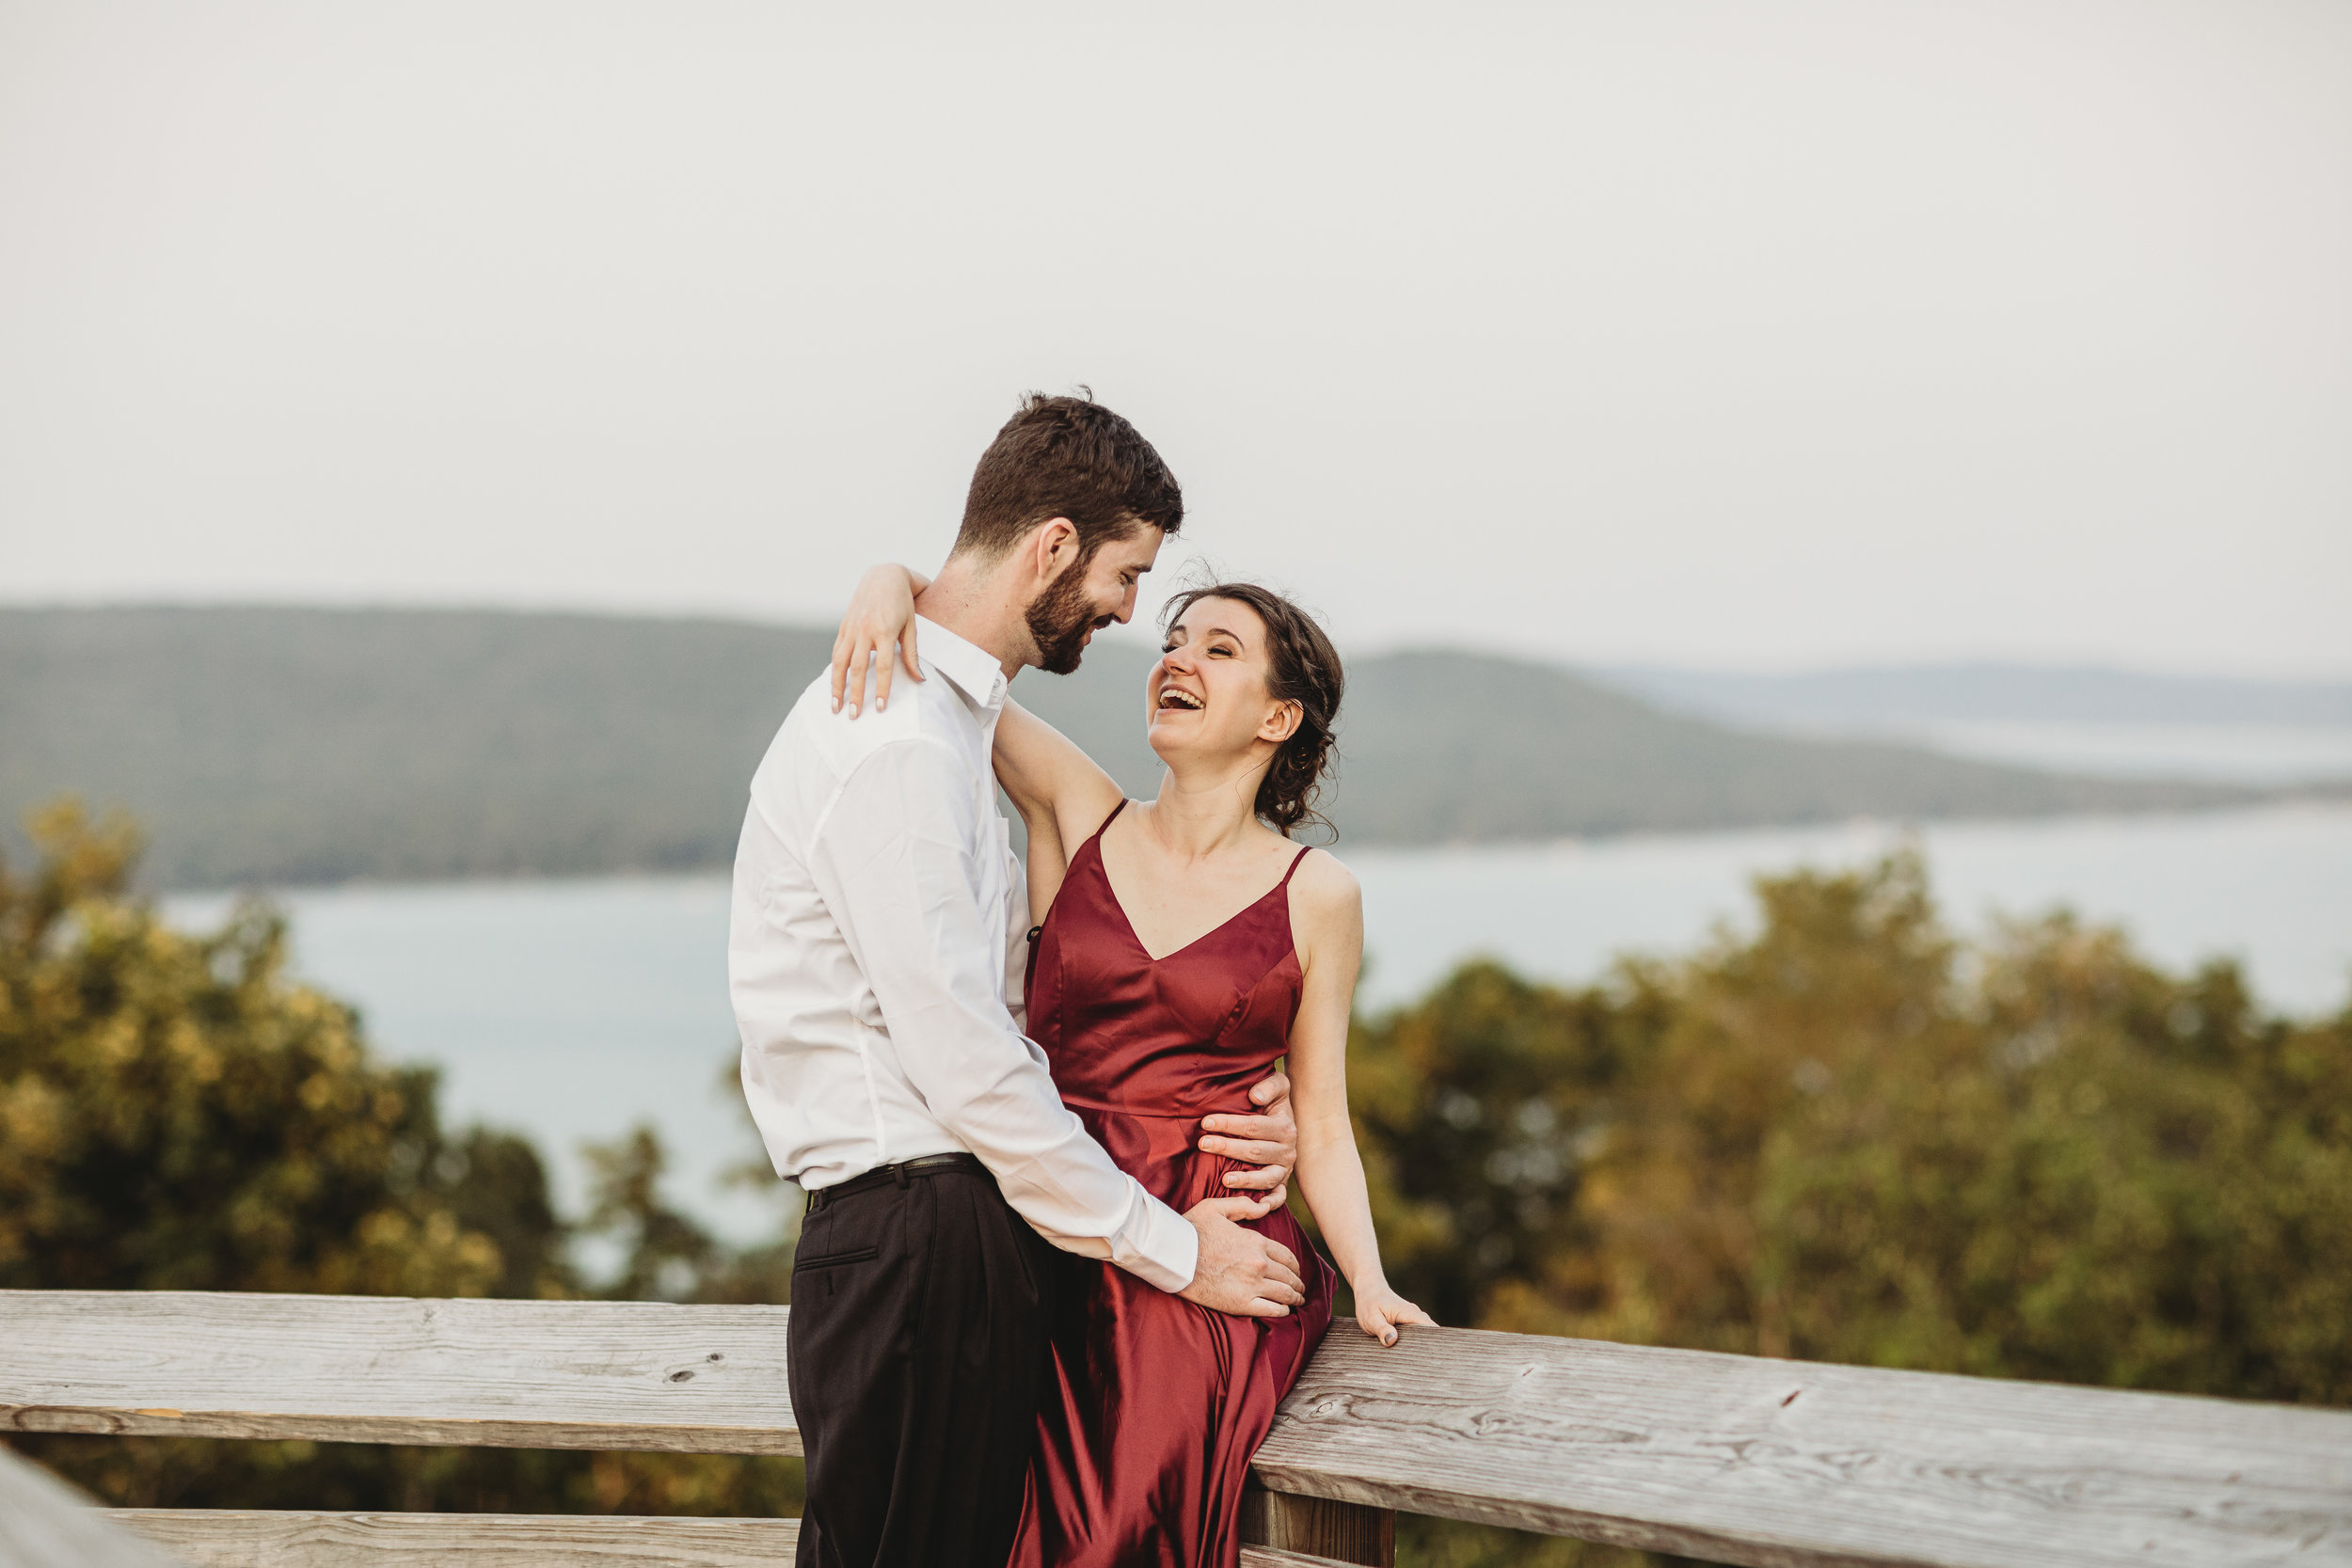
975	671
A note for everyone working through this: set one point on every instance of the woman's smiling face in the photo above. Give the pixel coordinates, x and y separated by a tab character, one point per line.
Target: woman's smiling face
1207	694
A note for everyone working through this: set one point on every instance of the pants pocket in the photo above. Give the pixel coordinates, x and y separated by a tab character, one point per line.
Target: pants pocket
827	1259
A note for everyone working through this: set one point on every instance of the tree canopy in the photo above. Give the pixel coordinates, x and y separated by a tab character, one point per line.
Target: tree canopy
1850	1136
177	1114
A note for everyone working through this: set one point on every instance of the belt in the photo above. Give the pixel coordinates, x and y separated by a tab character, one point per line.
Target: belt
883	1176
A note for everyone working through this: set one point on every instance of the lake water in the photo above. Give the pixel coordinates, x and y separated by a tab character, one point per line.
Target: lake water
2232	753
572	1009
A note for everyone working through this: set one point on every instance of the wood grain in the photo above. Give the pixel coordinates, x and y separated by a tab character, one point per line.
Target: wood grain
1773	1464
551	1374
1321	1527
253	1538
236	1538
242	1537
1792	1465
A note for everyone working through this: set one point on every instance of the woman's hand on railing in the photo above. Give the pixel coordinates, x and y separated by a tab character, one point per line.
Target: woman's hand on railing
1380	1312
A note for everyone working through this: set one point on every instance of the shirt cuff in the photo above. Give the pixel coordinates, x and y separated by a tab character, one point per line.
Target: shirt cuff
1157	1244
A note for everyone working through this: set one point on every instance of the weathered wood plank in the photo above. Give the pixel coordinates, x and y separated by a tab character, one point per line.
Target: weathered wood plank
243	1538
46	1524
1741	1460
1792	1465
226	1537
554	1374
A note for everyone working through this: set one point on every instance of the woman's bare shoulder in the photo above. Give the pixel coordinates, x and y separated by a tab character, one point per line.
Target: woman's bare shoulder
1325	888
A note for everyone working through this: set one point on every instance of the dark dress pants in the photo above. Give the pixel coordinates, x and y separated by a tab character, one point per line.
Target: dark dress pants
916	1345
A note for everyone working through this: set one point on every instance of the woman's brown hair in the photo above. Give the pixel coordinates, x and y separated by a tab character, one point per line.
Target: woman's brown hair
1302	667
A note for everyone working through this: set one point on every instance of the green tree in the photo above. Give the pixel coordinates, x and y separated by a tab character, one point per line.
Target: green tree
177	1114
2105	1175
1477	1108
666	1254
1852	1137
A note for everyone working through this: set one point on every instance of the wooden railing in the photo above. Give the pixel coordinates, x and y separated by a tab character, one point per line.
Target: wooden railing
1776	1463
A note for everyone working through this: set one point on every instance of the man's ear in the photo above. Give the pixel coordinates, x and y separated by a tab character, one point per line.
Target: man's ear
1053	546
1283	722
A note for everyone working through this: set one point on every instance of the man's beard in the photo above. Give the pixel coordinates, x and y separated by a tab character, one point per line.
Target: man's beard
1059	621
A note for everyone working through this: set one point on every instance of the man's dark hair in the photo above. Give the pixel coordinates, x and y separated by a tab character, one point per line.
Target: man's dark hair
1067	457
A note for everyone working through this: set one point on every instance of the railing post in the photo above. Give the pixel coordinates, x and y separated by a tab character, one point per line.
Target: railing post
1344	1533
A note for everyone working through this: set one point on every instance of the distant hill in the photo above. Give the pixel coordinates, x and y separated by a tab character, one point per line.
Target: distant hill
1895	698
289	745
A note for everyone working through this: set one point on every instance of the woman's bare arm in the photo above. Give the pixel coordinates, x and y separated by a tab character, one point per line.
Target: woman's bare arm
1327	909
1048	863
1061	792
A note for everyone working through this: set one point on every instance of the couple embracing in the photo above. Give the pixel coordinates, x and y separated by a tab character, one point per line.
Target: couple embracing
1048	1294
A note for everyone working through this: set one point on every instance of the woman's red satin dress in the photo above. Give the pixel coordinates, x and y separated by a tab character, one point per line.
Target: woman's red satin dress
1153	1406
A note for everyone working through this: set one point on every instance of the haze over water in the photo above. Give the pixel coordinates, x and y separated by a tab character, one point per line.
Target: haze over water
573	1009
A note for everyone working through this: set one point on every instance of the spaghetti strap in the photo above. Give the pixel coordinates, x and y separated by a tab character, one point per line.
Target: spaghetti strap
1287	875
1108	821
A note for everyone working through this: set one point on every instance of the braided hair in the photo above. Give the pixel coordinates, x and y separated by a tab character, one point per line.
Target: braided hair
1304	668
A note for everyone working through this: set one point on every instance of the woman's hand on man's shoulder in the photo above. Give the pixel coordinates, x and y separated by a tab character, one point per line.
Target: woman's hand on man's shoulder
878	623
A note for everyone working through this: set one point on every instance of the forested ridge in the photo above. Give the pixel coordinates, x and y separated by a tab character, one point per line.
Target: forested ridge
275	745
1850	1136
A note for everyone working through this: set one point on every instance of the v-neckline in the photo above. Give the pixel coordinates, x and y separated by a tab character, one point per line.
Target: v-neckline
1103	870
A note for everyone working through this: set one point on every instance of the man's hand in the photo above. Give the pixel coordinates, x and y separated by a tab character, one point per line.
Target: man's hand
1241	1272
1269	1141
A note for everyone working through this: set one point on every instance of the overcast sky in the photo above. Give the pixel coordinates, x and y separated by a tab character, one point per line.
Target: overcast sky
1752	336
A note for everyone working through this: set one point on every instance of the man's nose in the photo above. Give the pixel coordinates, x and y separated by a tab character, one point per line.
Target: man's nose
1126	610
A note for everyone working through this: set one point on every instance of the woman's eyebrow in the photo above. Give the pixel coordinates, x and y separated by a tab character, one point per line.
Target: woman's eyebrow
1180	630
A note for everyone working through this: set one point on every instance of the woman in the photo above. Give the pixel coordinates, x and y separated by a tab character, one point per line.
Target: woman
1182	945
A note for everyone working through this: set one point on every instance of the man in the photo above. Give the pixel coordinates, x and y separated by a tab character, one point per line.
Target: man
875	956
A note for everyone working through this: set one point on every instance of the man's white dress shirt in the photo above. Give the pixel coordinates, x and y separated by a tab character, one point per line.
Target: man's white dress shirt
875	953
